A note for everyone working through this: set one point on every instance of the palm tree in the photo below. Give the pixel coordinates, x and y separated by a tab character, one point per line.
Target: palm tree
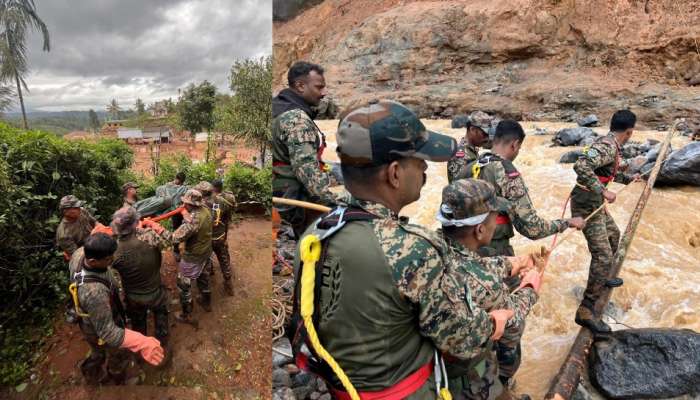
16	18
113	109
6	95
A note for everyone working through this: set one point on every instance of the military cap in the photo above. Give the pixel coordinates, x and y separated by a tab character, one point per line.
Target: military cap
204	187
70	201
124	221
193	197
382	131
467	202
128	186
483	121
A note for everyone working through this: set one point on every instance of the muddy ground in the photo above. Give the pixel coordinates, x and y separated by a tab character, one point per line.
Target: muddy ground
227	358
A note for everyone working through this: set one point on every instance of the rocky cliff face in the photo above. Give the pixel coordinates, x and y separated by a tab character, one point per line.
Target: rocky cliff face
529	59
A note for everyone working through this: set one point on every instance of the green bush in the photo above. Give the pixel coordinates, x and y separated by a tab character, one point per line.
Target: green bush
249	183
36	170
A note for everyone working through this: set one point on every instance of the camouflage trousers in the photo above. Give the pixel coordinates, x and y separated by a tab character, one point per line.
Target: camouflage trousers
603	237
185	285
508	351
478	381
500	247
137	308
220	248
92	368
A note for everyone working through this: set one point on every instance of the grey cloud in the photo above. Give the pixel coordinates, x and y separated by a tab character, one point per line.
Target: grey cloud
133	48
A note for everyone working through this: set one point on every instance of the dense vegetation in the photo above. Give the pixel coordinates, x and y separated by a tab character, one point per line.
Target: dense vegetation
36	170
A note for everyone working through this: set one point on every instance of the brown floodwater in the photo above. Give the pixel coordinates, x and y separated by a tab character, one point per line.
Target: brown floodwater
660	272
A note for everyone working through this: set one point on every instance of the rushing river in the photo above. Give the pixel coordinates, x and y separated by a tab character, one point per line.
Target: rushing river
660	272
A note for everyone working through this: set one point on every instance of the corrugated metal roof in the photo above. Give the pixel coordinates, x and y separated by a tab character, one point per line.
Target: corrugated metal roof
129	133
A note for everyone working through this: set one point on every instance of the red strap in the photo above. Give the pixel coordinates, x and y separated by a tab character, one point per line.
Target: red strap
400	390
502	219
605	179
280	164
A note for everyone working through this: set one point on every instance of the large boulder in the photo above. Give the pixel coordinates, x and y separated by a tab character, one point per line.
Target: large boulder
459	121
682	167
572	136
646	364
570	156
588	121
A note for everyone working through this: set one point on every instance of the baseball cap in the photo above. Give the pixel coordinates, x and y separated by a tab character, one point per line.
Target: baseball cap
467	202
383	131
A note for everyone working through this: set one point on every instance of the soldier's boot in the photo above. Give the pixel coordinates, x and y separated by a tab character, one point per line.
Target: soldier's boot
586	317
228	287
614	282
204	300
93	371
185	316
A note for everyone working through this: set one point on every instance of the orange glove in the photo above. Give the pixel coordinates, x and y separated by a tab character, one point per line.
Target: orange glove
148	223
148	347
520	264
500	317
99	228
533	279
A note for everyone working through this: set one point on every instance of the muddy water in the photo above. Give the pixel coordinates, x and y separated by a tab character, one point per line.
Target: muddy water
662	283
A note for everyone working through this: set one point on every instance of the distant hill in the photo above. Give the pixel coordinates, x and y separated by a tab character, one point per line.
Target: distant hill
58	122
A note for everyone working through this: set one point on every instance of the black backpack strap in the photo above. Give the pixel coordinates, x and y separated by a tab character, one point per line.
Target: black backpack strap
114	296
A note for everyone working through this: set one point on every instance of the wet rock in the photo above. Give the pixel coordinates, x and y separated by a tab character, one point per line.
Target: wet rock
588	121
280	378
572	136
570	156
581	393
636	164
541	132
284	394
321	385
283	346
302	392
459	121
587	141
646	363
325	396
682	166
292	369
303	379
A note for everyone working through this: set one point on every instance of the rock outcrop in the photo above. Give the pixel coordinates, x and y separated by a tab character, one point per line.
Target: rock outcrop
527	59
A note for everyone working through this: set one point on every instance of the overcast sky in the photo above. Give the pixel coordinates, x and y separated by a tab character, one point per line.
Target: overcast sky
124	49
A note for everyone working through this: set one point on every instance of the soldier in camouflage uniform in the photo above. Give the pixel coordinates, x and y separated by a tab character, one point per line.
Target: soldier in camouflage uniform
102	322
298	144
480	130
218	185
468	216
600	164
138	260
221	211
176	220
75	226
130	195
387	300
195	236
497	168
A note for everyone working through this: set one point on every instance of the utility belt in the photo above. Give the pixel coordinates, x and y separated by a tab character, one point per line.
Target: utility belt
399	390
602	179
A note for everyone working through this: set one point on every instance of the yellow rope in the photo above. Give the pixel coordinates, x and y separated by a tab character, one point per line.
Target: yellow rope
476	170
310	249
73	289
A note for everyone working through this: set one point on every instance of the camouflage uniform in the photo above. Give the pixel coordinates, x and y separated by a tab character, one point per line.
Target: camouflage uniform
466	152
521	214
195	233
138	260
71	235
298	172
387	299
602	159
485	279
221	212
103	329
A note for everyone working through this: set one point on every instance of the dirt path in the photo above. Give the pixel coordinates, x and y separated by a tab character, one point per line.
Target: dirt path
227	358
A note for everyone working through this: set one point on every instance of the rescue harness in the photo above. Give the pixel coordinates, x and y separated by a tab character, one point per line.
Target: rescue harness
478	164
321	362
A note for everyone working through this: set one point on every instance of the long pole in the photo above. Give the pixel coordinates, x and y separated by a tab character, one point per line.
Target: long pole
299	203
567	379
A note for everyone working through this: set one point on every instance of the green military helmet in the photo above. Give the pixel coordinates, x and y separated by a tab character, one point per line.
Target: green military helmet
193	197
204	187
70	201
468	202
383	131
